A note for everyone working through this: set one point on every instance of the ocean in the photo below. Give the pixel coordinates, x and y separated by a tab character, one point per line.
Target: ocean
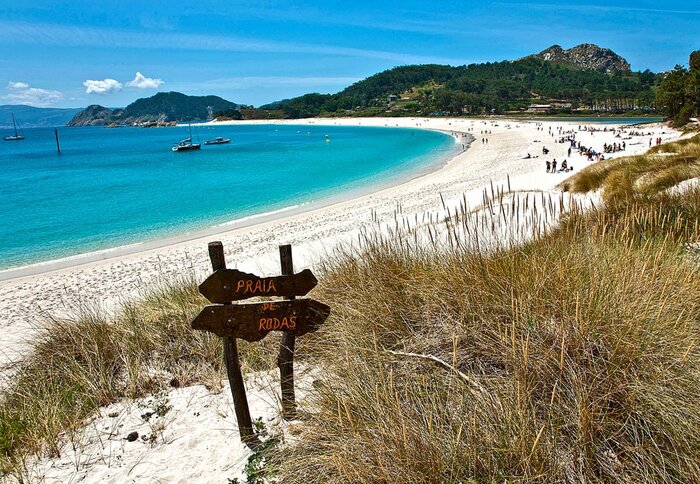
113	187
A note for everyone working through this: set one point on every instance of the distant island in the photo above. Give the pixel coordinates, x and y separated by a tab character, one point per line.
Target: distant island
33	117
585	79
163	109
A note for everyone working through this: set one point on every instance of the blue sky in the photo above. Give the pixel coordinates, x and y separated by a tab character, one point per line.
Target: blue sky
74	53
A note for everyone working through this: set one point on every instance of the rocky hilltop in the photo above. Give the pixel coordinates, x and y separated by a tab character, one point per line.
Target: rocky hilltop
162	109
586	56
93	115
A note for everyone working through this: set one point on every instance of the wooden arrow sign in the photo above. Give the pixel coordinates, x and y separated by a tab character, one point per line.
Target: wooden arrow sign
252	322
228	285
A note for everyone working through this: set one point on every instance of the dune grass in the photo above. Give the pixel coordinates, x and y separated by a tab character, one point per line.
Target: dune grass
574	358
569	354
82	363
662	167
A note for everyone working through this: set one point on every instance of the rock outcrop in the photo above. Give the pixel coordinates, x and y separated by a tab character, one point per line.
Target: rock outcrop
586	56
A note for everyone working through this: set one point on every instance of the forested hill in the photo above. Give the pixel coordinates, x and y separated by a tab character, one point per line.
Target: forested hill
583	78
162	108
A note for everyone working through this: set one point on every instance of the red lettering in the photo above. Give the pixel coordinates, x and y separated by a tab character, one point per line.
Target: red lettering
248	286
284	324
277	324
240	285
293	322
261	326
271	286
258	286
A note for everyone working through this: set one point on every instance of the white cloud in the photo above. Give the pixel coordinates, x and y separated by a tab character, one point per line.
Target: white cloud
22	93
104	86
143	82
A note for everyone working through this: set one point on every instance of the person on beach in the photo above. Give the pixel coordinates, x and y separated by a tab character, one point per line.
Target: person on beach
549	166
554	166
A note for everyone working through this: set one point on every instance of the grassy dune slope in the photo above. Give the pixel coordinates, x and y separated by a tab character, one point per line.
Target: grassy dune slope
572	358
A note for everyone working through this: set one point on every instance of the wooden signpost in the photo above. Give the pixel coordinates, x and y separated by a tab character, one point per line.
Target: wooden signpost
252	322
232	285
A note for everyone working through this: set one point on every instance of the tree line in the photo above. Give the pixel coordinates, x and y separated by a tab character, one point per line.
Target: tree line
494	87
678	94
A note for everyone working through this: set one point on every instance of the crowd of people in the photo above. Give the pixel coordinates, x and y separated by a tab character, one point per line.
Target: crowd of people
569	136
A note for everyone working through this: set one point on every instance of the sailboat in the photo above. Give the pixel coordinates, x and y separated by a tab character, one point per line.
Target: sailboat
187	144
18	136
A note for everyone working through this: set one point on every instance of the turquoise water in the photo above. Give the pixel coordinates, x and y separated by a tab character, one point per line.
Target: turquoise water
112	187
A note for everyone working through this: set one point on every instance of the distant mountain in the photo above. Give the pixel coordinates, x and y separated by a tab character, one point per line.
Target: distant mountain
93	115
160	109
586	56
31	117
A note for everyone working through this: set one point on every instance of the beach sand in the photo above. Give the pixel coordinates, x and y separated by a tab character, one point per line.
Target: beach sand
122	274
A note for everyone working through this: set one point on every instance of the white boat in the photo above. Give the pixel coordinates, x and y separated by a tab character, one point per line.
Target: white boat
18	136
187	144
218	141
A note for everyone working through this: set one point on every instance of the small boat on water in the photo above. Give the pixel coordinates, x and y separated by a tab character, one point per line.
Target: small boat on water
218	141
18	136
187	144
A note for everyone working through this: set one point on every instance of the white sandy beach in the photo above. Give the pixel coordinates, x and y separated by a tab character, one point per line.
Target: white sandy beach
24	300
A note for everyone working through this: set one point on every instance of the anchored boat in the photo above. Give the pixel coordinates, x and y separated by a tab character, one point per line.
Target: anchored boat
187	144
218	141
18	136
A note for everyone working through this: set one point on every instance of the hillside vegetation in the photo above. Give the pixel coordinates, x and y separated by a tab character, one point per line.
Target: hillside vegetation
572	357
678	96
483	88
584	78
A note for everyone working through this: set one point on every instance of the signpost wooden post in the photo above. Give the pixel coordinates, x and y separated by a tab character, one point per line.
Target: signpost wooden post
233	366
285	358
252	322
